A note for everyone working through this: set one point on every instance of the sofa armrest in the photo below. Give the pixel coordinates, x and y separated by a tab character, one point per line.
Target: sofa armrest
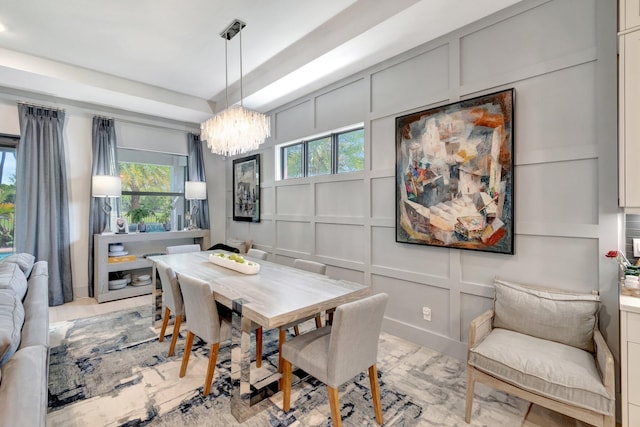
480	327
604	358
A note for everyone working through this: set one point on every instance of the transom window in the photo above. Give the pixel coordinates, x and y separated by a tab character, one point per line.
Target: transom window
338	152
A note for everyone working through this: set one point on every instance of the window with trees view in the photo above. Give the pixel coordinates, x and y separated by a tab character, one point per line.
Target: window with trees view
339	152
8	145
152	187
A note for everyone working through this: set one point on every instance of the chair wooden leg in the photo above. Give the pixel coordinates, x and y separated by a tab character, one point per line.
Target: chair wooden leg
318	322
187	352
609	421
176	332
165	322
335	406
296	329
286	385
375	392
330	317
282	336
259	347
470	386
213	357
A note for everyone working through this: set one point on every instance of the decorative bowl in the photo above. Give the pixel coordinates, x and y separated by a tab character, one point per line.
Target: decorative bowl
227	261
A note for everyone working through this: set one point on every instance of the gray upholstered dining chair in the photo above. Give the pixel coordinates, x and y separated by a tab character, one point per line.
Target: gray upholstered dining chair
203	321
172	303
338	353
314	267
257	254
181	249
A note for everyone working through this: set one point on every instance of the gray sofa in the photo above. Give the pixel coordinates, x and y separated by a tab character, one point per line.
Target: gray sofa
24	341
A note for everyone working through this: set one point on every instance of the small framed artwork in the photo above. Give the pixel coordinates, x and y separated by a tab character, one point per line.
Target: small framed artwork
454	175
246	189
121	226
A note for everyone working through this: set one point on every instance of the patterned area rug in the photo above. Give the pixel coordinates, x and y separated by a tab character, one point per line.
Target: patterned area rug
110	370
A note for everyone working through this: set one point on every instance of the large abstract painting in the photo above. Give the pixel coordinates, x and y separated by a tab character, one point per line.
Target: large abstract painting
454	175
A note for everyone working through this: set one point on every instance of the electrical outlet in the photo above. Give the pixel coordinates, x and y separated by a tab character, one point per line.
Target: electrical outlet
636	248
426	313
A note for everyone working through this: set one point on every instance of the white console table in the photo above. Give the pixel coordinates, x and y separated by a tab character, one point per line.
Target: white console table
138	244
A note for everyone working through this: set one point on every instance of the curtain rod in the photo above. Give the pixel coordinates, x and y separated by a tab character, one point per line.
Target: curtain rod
31	104
98	116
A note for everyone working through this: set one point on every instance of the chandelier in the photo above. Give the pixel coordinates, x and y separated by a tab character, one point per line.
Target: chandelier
235	130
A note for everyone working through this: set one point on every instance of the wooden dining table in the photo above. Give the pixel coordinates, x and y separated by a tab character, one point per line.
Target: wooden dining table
275	297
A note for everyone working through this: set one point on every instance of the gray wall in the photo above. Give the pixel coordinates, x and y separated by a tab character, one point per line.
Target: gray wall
560	56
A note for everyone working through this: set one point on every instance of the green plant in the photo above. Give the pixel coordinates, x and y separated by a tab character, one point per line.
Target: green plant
136	215
162	217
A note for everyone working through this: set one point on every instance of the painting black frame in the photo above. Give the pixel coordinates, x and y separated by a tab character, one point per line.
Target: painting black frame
246	189
448	159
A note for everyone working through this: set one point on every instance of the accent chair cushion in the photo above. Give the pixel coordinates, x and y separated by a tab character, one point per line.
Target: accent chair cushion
12	278
11	321
564	317
24	260
544	367
241	245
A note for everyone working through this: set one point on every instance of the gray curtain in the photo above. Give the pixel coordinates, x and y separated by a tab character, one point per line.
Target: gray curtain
42	204
105	162
196	173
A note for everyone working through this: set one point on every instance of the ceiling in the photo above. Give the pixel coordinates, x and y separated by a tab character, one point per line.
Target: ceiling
166	58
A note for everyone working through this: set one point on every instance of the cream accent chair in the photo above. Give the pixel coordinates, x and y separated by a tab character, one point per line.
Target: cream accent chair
313	267
543	345
181	249
172	302
204	321
336	354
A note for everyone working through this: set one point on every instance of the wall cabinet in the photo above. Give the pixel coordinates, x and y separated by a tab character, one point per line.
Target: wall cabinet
629	14
138	245
629	122
629	357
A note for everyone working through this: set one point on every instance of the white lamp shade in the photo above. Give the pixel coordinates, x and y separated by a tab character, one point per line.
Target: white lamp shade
106	186
195	190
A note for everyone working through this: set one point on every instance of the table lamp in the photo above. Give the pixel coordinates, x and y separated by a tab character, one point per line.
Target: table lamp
194	190
106	186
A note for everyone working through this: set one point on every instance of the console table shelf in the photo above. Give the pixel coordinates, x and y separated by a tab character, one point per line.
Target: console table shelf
138	244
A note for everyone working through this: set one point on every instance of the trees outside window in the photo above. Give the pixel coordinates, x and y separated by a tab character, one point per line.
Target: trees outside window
339	152
8	146
153	184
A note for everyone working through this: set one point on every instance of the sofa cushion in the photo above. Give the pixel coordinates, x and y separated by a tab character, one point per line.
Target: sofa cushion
23	260
23	390
548	368
564	317
12	278
11	321
36	308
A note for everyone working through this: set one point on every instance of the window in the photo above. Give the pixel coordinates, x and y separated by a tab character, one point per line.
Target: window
152	187
338	152
8	145
293	161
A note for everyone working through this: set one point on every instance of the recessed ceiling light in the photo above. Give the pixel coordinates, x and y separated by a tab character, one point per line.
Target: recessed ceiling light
2	28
